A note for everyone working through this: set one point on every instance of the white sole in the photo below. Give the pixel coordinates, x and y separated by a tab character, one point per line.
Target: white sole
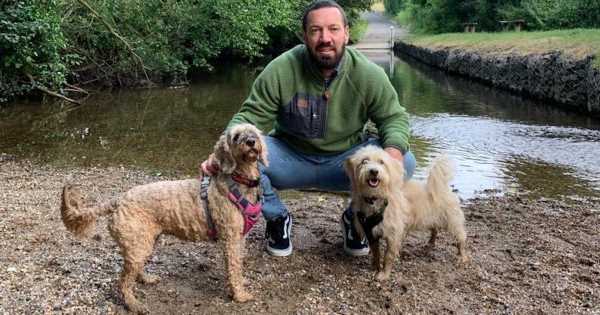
279	252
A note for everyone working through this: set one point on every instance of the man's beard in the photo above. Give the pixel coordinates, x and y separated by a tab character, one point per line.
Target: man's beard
327	62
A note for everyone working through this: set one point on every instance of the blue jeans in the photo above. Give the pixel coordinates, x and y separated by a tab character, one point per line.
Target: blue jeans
289	169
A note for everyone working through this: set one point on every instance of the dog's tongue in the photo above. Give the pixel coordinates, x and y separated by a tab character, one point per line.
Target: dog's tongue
373	182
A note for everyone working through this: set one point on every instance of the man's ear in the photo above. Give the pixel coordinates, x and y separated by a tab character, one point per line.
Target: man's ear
347	31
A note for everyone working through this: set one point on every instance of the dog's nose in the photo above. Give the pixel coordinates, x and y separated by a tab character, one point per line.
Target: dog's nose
250	142
374	172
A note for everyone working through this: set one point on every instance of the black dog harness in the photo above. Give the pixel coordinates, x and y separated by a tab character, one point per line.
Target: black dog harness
250	211
368	223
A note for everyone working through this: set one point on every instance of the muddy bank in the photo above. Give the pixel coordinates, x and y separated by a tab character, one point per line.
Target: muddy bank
529	256
571	83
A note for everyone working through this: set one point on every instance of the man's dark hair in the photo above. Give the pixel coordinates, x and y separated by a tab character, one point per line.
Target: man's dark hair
319	4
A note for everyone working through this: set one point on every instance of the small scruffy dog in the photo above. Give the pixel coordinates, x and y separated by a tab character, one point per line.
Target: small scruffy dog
385	206
144	212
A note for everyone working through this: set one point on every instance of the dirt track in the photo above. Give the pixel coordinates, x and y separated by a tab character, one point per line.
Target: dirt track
537	256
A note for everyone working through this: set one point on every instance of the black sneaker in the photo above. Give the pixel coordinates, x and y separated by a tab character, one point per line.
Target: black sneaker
353	245
278	235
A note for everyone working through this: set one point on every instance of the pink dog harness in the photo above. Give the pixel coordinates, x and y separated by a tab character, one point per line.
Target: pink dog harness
250	211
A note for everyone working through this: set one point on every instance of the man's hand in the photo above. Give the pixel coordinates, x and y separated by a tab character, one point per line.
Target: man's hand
395	153
210	166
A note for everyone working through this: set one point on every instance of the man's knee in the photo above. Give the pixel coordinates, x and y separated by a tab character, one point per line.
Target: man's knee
272	206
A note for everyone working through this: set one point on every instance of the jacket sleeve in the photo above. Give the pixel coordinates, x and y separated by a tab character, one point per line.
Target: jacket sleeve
384	109
261	106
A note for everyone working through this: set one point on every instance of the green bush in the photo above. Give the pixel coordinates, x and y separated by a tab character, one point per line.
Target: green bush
393	7
443	16
435	16
30	47
552	14
116	42
171	37
174	37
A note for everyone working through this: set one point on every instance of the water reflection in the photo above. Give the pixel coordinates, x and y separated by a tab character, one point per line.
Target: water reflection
157	129
427	90
499	141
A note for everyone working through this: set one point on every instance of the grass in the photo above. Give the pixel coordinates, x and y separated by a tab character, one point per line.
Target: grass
574	42
357	31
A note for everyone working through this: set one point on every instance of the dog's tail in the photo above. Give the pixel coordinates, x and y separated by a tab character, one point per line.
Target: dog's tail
78	219
441	173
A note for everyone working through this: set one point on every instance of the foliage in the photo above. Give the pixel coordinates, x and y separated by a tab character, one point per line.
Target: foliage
442	16
436	16
393	7
354	7
114	42
358	30
172	37
30	46
552	14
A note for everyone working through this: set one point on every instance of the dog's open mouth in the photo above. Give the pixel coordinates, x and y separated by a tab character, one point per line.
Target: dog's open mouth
373	182
252	154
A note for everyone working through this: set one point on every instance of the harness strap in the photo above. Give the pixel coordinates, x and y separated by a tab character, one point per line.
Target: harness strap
368	223
239	178
204	183
250	211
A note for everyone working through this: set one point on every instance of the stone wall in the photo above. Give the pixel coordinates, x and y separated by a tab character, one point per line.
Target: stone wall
572	83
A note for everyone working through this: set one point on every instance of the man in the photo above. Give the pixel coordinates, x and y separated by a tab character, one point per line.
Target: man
318	97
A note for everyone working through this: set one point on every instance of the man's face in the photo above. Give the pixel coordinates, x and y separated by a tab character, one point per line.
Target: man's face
326	36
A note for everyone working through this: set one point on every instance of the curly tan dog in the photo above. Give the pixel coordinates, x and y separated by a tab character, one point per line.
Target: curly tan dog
384	206
144	212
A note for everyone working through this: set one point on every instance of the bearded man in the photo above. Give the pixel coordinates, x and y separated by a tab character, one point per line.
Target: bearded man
318	97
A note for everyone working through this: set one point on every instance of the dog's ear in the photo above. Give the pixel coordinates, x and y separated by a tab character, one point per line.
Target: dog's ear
72	196
263	150
223	154
350	168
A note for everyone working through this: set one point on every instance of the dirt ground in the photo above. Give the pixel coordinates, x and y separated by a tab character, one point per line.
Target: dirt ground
529	256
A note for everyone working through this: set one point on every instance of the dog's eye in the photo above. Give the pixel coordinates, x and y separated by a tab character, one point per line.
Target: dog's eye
236	138
365	161
380	162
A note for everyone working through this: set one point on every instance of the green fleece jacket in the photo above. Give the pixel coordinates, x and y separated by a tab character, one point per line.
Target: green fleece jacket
319	117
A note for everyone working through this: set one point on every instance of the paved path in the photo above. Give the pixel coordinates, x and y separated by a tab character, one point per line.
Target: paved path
375	44
377	36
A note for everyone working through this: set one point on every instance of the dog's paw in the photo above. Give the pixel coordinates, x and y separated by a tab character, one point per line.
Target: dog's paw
137	308
242	297
382	276
464	260
148	279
